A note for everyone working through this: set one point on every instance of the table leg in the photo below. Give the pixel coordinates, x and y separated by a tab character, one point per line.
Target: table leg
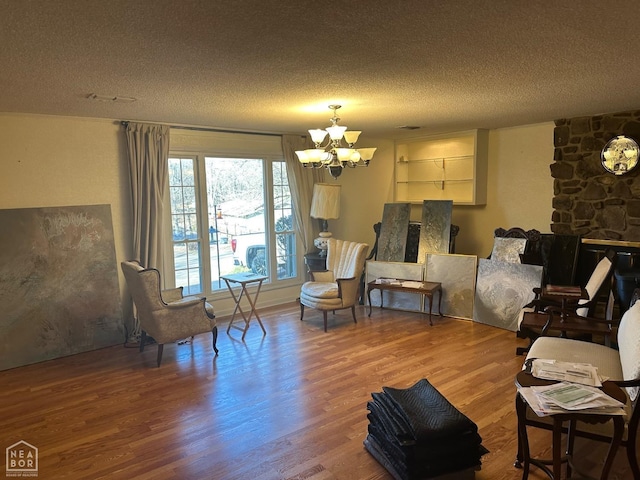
618	429
522	458
253	310
430	297
238	308
369	298
237	302
571	437
556	448
439	301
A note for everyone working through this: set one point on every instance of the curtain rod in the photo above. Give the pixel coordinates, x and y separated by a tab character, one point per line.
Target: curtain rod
218	130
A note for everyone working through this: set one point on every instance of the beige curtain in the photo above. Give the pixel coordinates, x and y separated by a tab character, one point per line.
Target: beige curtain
148	148
301	182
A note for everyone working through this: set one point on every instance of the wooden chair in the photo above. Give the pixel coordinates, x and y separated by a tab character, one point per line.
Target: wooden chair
337	287
620	366
544	315
166	315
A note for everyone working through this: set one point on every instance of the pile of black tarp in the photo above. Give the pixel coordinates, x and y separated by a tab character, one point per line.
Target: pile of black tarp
416	433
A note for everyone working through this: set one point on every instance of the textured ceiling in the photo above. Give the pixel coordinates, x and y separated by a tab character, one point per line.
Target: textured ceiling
275	65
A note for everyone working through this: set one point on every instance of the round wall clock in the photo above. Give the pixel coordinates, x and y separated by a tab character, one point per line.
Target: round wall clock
620	155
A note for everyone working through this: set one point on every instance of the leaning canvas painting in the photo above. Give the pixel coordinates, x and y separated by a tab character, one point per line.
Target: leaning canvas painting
58	275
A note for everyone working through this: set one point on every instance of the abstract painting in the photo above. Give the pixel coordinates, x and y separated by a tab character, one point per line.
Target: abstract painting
59	283
393	232
435	230
502	289
457	274
508	249
401	271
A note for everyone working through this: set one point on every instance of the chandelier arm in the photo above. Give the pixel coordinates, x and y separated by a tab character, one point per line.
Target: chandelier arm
324	147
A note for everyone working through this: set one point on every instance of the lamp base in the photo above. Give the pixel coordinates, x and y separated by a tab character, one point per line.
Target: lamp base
321	243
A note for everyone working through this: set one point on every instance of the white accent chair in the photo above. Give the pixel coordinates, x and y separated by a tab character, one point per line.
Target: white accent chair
166	315
621	366
338	286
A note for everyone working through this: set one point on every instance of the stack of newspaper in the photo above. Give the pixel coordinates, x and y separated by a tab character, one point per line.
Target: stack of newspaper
576	391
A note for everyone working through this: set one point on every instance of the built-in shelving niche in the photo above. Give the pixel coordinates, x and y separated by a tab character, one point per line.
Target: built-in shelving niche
443	167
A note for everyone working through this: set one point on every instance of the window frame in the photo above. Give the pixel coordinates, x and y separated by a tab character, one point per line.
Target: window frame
202	208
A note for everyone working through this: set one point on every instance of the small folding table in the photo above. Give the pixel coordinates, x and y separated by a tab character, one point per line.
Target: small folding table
244	279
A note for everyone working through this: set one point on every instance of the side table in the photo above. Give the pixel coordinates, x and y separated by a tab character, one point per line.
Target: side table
315	262
573	294
244	279
526	379
424	288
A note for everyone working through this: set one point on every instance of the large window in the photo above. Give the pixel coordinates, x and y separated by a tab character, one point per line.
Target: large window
230	215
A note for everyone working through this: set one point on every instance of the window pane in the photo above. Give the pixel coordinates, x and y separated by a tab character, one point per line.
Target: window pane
184	225
285	256
187	172
235	196
175	173
283	217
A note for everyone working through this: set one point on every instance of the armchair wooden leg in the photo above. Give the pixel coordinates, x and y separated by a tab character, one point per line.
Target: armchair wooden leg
143	340
160	347
301	311
214	332
324	316
353	313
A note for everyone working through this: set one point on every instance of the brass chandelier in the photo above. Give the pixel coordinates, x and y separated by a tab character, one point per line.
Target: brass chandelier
335	155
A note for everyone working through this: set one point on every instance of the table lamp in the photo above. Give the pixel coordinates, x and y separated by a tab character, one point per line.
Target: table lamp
325	205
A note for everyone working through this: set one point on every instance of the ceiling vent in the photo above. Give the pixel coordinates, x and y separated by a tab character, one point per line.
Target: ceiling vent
110	98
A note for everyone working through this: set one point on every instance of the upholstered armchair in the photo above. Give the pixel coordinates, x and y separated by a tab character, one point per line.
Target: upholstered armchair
166	315
337	287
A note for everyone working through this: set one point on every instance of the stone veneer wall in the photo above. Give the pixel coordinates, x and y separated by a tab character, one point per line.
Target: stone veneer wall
588	200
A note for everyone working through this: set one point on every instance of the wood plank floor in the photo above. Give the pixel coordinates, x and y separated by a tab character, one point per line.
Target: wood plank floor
290	405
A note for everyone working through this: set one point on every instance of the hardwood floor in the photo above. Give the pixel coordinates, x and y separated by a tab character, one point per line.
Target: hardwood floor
290	405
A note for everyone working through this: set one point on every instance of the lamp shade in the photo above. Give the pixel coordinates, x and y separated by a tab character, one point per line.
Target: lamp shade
325	203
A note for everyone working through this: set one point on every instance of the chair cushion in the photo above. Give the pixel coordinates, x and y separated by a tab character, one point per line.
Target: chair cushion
629	346
566	350
321	303
320	289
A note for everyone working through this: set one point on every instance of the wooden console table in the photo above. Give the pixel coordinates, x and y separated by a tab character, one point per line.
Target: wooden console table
408	286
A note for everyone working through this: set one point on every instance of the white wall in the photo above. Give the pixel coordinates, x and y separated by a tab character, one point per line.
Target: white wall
520	190
49	161
364	193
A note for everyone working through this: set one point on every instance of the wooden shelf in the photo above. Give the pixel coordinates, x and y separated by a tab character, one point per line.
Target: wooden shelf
445	167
